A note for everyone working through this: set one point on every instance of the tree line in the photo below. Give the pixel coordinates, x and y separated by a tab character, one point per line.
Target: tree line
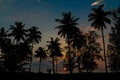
17	43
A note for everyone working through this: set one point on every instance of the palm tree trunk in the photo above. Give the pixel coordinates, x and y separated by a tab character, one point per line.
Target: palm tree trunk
79	62
31	58
70	66
87	70
56	65
104	51
40	65
53	66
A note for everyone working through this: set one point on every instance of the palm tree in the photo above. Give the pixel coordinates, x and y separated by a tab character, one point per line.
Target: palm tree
3	33
78	42
24	52
54	50
99	18
40	53
68	30
16	56
34	36
3	42
18	32
10	62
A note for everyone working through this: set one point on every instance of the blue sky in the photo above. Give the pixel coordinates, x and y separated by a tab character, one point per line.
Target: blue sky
42	13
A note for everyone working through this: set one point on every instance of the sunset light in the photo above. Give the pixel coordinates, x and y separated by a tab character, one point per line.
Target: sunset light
60	39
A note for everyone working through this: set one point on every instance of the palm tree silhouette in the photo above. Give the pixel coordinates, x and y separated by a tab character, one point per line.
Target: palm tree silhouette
40	53
99	18
68	30
3	41
34	36
54	50
78	42
18	32
24	52
10	57
6	51
3	33
16	56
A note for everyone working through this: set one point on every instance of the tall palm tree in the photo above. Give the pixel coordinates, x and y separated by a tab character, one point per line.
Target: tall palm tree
68	30
99	18
40	53
34	36
54	50
18	32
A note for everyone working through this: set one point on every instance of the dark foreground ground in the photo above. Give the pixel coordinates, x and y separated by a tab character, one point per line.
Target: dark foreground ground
41	76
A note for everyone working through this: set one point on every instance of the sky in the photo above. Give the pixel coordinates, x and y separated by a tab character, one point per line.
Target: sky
42	13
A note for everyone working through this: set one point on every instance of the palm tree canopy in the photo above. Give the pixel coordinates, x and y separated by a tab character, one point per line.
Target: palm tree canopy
4	39
54	47
99	18
68	25
24	51
3	33
78	41
40	52
18	31
34	34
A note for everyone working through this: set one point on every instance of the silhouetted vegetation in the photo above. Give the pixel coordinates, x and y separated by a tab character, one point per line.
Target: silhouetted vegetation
99	18
40	53
68	30
82	50
91	52
54	50
114	42
78	42
33	37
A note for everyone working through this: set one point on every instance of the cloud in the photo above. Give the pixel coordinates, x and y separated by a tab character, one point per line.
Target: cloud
87	29
96	2
39	0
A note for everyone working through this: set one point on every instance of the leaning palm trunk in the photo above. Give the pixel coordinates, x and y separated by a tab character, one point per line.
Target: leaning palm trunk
104	51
